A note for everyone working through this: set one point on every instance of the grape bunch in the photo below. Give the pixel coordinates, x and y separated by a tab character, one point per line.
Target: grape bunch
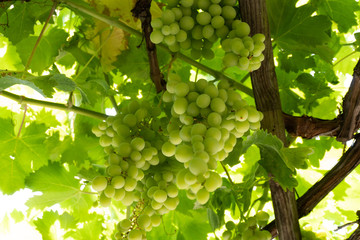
206	120
128	140
195	25
250	229
241	50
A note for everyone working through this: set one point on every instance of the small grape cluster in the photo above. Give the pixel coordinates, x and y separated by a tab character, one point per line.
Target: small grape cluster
128	141
206	121
195	25
242	50
249	229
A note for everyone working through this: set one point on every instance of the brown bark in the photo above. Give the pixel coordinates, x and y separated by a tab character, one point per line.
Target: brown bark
267	100
355	235
142	11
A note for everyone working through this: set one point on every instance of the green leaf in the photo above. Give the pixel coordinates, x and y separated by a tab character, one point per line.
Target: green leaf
18	216
46	51
8	81
57	185
213	219
340	11
20	155
91	229
296	157
10	60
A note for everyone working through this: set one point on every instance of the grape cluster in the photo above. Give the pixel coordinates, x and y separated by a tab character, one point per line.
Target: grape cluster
195	25
206	121
242	50
249	229
129	142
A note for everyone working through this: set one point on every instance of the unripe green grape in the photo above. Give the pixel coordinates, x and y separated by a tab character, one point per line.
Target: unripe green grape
230	225
183	153
172	191
242	126
259	37
229	2
119	194
217	105
243	63
174	137
135	156
141	114
132	171
168	17
213	132
207	44
185	133
193	109
196	138
211	145
226	235
254	66
252	221
170	40
203	4
143	221
113	170
215	9
207	53
174	47
160	196
99	183
244	52
201	84
186	3
237	45
182	89
190	178
208	31
180	179
195	54
156	23
214	119
104	201
167	97
255	126
227	45
198	129
118	182
222	31
174	28
151	190
190	195
171	203
202	196
95	130
110	132
181	36
105	141
217	22
165	30
137	143
197	166
124	149
249	45
102	126
211	90
198	146
204	156
178	13
262	235
230	60
156	205
109	191
223	94
155	220
124	225
180	105
129	198
196	32
187	23
203	18
168	149
253	115
196	44
172	3
262	216
203	101
114	159
135	234
130	184
228	12
241	114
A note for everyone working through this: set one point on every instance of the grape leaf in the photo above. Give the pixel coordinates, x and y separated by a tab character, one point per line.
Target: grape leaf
10	60
213	219
46	51
8	81
20	155
91	229
57	186
340	11
17	215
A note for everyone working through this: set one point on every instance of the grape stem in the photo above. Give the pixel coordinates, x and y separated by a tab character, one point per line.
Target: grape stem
63	107
119	24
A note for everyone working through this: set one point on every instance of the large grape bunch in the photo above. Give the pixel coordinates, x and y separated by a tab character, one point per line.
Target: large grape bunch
197	25
206	121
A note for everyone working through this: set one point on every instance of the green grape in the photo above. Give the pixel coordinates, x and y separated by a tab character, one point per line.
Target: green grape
180	179
244	52
203	101
168	17
254	66
157	23
155	220
201	84
243	63
187	11
213	182
230	225
124	149
202	196
190	178
137	143
213	132
259	37
196	32
214	119
237	45
180	105
168	149
187	23
130	184
160	196
118	182
99	183
135	234
119	194
207	53
203	4
253	115
102	126
114	159
198	129
172	3
226	235
242	126
216	1
223	94
167	97
170	40
226	45
228	12
171	203
185	133
174	28
193	109
230	59
241	115
178	13
174	137
95	130
198	146
175	47
196	44
104	201
211	90
215	9
183	153
195	54
255	126
109	191
105	141
229	2
222	31
217	22
122	129
203	18
110	132
114	170
197	166
172	191
132	171
182	89
249	45
208	31
143	221
211	145
186	3
181	36
217	105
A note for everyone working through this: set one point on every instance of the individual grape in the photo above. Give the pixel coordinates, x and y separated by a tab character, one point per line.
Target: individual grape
105	141
215	9
124	149
253	115
228	12
227	45
170	40
143	221
174	28
249	45
187	23
175	47
217	105
137	143
114	170
135	234
203	18
156	23
259	37
130	184
197	166
155	220
207	53
221	31
178	13
168	17
217	22
243	63
174	137
203	4
198	129
130	120
171	203
160	196
196	32
211	90
109	191
119	194
230	225
203	101
118	182
229	2
181	36
208	31
182	89
214	119
172	3
241	115
168	149
186	3
104	201
237	45
230	60
183	153
180	105
202	196
99	183
172	191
